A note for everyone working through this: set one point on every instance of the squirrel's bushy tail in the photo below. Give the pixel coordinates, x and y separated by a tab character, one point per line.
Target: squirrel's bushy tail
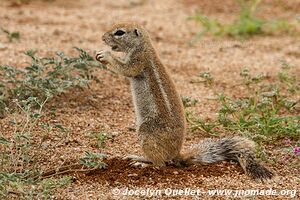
236	148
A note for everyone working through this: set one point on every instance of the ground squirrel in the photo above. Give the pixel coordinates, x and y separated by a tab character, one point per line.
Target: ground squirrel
160	117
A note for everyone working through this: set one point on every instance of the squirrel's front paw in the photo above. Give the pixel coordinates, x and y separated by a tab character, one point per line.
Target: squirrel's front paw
103	57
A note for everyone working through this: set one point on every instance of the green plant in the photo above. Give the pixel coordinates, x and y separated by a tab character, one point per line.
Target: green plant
24	2
196	124
11	36
20	155
207	78
189	102
15	186
23	95
100	138
209	25
247	24
45	77
50	184
15	154
267	111
93	160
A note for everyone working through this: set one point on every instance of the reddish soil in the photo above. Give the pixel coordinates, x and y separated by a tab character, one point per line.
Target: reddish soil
120	172
106	106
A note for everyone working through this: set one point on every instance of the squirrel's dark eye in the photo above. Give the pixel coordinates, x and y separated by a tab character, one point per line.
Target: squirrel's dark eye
119	33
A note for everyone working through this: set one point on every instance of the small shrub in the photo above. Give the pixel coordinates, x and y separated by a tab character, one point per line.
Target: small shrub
247	24
45	77
14	185
99	139
24	2
207	78
20	156
11	36
189	102
266	112
93	160
24	94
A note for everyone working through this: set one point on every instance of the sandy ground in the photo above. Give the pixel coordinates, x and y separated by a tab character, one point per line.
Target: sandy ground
107	107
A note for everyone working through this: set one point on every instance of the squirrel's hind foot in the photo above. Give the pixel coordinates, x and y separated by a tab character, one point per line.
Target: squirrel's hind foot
141	161
137	161
139	164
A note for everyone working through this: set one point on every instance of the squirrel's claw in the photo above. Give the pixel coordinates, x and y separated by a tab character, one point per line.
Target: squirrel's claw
136	158
103	56
137	161
139	164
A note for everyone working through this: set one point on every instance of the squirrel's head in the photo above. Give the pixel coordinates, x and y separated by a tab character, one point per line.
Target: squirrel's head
124	37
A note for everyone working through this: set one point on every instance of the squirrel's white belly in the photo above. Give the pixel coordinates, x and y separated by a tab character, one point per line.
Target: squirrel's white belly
143	99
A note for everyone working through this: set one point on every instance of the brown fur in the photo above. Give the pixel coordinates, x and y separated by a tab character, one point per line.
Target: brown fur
160	117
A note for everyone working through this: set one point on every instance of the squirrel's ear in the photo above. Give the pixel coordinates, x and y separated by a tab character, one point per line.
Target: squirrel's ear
137	32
